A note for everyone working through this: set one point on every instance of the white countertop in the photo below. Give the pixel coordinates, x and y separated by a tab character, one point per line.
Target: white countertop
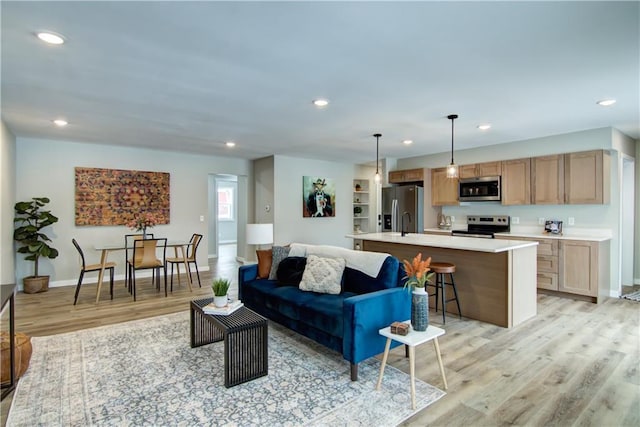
448	242
586	234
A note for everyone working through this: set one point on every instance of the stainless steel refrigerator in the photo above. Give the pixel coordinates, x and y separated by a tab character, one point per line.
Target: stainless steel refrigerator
399	201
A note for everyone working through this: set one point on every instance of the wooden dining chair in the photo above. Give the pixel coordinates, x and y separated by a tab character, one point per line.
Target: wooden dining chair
145	257
128	250
191	258
91	268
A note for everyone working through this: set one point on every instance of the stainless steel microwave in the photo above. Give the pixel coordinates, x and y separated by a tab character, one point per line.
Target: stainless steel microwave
482	189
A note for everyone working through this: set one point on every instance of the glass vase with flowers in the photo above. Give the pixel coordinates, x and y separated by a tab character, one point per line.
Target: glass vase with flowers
143	221
417	277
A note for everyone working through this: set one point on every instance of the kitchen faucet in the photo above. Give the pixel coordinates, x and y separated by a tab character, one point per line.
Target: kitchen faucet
402	232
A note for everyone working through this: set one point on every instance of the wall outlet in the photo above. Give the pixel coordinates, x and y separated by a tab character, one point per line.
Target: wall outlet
540	221
515	220
201	218
572	221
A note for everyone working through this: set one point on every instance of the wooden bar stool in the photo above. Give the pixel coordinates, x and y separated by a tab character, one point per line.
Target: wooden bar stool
440	269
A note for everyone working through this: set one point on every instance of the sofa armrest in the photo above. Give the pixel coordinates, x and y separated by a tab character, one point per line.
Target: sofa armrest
246	273
365	314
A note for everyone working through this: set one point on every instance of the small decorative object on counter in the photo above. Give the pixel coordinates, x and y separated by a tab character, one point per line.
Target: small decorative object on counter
417	275
553	227
399	328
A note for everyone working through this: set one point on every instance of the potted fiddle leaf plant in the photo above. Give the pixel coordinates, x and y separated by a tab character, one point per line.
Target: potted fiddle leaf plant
220	288
31	218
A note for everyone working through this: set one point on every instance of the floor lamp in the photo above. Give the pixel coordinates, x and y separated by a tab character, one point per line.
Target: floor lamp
259	234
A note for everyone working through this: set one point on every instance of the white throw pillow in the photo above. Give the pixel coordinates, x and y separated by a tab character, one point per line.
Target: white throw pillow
322	275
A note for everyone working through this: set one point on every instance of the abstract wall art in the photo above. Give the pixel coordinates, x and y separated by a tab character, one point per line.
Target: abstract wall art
115	196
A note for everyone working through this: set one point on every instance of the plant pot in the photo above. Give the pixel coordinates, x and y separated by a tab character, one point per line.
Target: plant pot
35	284
220	301
419	309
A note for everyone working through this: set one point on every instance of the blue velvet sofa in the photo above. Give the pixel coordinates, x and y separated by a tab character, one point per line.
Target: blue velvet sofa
347	322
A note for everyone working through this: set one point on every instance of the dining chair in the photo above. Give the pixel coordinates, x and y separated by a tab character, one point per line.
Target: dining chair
145	257
191	258
128	249
91	268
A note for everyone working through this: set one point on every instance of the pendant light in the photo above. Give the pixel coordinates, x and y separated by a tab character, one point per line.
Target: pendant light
377	178
452	169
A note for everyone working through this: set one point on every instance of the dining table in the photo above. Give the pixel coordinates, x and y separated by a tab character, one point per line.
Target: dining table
105	249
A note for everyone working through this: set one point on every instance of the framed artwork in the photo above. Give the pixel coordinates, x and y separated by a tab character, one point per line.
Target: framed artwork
318	197
115	197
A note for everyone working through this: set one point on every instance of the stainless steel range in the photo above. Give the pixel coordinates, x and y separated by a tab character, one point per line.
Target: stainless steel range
485	226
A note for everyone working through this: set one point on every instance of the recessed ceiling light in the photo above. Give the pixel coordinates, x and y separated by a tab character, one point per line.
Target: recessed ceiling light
606	102
484	126
51	38
230	144
407	142
60	122
321	102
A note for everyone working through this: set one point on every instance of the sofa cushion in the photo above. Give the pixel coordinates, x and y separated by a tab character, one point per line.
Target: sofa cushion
323	275
264	263
290	270
278	254
360	283
324	312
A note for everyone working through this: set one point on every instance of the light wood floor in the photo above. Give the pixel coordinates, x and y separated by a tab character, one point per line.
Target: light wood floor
576	363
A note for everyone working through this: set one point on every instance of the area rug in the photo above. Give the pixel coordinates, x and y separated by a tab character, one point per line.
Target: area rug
633	296
145	373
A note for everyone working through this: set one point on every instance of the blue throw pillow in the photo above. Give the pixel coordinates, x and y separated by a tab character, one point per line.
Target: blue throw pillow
290	270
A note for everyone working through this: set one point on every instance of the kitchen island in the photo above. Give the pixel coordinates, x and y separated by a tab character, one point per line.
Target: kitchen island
495	279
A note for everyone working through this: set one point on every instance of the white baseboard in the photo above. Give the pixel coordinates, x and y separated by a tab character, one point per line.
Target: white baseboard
94	279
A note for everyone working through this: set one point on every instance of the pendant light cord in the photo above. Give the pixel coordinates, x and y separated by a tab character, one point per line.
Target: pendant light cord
452	117
377	135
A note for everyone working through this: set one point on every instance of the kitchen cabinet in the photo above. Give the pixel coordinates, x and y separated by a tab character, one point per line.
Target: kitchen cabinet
547	180
516	182
480	169
444	191
361	206
579	267
408	175
587	177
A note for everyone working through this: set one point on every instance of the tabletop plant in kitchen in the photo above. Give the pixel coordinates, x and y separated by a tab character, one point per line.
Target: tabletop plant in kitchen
31	218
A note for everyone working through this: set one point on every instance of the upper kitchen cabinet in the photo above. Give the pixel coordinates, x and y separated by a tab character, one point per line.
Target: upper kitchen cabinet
405	176
444	191
480	169
516	182
547	180
587	177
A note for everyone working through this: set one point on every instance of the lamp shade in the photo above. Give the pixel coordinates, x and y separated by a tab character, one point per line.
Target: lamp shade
259	234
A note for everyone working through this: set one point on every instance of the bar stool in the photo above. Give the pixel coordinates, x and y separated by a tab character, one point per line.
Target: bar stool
440	269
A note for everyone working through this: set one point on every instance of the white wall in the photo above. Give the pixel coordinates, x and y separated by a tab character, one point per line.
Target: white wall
586	216
636	269
54	177
289	224
8	200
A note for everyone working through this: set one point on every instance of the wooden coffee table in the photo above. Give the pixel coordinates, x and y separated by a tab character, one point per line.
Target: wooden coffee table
245	336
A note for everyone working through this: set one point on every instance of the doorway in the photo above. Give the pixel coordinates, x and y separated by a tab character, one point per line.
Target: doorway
627	222
227	216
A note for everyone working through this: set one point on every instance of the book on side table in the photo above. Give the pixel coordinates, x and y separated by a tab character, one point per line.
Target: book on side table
222	311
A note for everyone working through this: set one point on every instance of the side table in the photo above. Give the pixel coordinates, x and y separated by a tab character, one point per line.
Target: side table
7	292
412	339
245	336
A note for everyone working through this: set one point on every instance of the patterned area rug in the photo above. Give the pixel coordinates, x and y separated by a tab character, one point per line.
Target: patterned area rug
145	373
633	296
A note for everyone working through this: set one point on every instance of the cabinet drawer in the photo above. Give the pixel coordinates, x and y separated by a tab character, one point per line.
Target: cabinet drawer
548	263
548	247
548	281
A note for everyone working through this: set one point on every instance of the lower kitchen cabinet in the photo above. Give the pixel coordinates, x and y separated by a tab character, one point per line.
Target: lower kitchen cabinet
579	267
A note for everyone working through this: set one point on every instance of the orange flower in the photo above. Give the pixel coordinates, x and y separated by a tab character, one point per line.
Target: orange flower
417	271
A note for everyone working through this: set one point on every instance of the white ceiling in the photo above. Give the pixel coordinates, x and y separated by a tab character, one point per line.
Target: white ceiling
188	76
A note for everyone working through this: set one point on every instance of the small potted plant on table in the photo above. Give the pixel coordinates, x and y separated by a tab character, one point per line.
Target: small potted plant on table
220	289
31	218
